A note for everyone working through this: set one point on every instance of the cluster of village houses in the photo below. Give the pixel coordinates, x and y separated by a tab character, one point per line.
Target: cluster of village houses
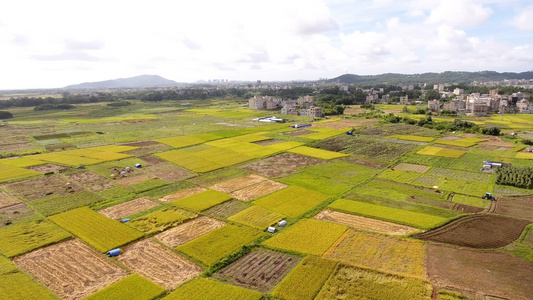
303	106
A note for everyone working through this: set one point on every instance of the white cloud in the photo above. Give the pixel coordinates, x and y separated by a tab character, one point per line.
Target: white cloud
524	20
459	13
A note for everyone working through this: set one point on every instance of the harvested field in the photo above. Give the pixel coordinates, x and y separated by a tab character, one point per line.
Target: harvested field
92	181
364	223
124	209
169	172
518	207
411	167
129	179
47	168
260	270
258	190
226	209
281	164
237	183
7	200
477	231
159	264
152	160
186	232
480	272
183	194
379	252
70	269
13	213
147	149
49	185
161	220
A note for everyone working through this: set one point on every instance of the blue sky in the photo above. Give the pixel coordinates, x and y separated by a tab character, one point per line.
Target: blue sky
48	44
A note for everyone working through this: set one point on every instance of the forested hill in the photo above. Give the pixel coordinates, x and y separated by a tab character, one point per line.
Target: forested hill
142	81
431	78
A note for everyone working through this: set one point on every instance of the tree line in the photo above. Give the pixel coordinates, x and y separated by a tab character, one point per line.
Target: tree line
521	177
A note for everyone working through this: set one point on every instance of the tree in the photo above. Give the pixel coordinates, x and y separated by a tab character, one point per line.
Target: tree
491	131
5	115
432	94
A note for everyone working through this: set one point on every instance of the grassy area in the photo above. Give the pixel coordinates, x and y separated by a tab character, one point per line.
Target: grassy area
210	289
444	152
98	231
22	238
134	287
56	204
472	201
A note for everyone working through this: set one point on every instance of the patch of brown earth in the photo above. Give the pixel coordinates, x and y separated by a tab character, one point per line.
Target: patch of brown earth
92	181
281	164
125	209
32	189
518	207
48	168
183	194
186	232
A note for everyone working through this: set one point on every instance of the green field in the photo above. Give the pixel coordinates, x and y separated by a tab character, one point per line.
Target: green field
57	204
20	286
307	236
134	287
292	201
19	239
217	244
11	173
210	289
98	231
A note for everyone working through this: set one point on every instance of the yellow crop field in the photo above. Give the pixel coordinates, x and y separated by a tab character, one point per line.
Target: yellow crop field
133	287
316	153
284	146
100	155
457	143
66	159
22	162
257	217
113	148
415	138
188	161
202	201
98	231
444	152
307	236
181	141
323	133
524	155
292	201
380	252
10	173
210	289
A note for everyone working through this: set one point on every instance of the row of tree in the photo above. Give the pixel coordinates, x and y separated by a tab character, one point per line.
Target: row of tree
521	177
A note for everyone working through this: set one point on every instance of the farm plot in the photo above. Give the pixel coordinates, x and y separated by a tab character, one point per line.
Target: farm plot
168	172
364	223
319	183
70	269
518	207
307	236
212	247
399	175
478	271
400	192
471	201
21	162
183	193
444	152
11	173
415	138
68	160
260	270
477	231
415	219
281	164
226	209
209	289
161	220
383	253
22	238
125	209
18	285
56	204
133	287
355	283
237	183
189	161
146	185
457	174
13	213
257	217
304	282
48	168
98	231
159	264
185	141
411	167
292	201
202	201
458	143
41	187
316	153
7	200
186	232
114	148
323	133
92	181
258	190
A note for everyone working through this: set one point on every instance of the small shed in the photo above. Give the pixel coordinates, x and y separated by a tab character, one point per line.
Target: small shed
282	223
272	229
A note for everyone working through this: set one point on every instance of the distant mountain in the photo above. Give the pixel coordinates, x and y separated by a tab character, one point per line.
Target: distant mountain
431	78
142	81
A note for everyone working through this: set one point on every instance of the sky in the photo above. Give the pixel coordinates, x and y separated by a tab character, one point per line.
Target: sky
52	44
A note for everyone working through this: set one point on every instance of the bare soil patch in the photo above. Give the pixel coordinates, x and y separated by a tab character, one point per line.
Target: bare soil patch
159	264
168	172
147	148
7	199
495	141
124	209
70	269
411	167
152	160
183	194
450	138
467	208
237	183
48	168
477	231
519	207
299	132
186	232
92	181
42	187
129	179
268	142
480	272
226	209
11	214
364	223
258	190
261	270
281	164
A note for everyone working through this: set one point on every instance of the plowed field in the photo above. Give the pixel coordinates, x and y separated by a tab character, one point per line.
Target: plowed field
47	168
124	209
92	181
184	233
260	270
480	272
519	207
70	269
158	264
282	164
7	200
364	223
183	194
411	167
237	183
477	231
